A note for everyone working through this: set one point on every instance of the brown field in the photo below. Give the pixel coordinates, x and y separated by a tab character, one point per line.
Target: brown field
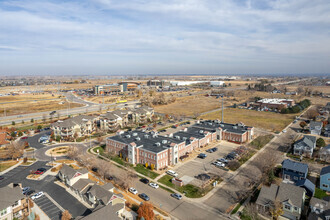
7	164
266	120
35	103
189	106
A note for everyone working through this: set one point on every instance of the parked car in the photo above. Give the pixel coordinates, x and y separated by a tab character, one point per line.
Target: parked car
154	185
144	196
222	160
202	155
284	131
177	196
24	138
37	195
184	157
133	190
28	193
52	112
219	164
172	173
209	150
144	180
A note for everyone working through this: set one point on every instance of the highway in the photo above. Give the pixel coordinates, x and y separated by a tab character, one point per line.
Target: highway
88	108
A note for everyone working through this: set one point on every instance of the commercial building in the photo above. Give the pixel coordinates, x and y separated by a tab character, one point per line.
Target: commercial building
217	83
161	151
108	89
129	86
157	83
274	103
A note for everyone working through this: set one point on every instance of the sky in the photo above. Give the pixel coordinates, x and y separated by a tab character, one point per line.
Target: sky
164	37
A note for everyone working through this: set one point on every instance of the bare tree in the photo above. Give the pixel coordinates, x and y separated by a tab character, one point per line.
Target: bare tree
312	113
15	150
73	153
252	211
66	215
44	117
276	210
103	167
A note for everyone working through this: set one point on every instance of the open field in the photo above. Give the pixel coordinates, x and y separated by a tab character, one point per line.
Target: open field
266	120
189	106
7	164
16	105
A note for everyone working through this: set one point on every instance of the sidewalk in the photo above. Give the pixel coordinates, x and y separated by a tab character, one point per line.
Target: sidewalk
11	168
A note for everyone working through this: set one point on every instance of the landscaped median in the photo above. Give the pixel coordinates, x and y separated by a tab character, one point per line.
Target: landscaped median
190	191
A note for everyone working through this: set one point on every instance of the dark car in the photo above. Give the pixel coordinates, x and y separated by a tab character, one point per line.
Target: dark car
209	151
202	155
53	112
144	196
42	169
214	149
29	192
144	180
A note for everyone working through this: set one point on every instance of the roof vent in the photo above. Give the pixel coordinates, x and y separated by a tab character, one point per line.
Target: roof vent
138	138
146	136
222	125
164	141
134	134
234	127
185	130
210	123
184	138
170	135
177	137
128	136
201	131
157	144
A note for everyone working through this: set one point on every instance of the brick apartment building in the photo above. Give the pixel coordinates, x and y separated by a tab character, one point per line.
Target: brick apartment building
148	147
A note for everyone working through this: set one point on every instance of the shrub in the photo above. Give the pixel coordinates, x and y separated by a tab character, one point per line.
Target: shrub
39	127
13	123
25	160
146	165
152	166
320	142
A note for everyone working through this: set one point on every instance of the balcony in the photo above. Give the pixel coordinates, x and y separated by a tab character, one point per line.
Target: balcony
66	134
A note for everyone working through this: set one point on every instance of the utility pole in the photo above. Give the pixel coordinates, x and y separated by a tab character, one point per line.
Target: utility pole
222	109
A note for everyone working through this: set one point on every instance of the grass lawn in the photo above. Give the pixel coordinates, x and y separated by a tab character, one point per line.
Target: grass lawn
190	190
261	141
100	149
189	105
267	120
7	164
145	171
319	193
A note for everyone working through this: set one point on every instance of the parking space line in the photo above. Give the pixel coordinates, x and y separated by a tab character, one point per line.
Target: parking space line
53	207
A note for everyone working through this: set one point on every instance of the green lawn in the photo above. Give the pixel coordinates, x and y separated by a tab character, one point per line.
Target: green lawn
319	193
189	190
261	141
101	150
145	171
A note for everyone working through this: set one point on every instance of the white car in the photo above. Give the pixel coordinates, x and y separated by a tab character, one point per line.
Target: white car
219	164
172	173
37	195
154	185
284	131
133	190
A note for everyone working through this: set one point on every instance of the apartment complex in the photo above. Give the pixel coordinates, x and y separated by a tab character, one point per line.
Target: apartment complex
141	147
112	121
77	126
13	204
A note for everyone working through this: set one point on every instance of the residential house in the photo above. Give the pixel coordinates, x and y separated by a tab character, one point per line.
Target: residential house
305	146
325	179
315	127
327	107
70	176
307	185
13	204
319	209
74	127
293	171
113	212
327	130
324	153
103	195
291	197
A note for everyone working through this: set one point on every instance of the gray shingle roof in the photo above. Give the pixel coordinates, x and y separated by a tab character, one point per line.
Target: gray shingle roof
295	166
325	170
100	193
105	212
267	195
70	122
70	172
9	195
315	125
81	184
213	125
291	193
306	142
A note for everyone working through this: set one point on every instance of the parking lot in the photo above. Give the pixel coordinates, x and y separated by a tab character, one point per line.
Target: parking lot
48	207
187	171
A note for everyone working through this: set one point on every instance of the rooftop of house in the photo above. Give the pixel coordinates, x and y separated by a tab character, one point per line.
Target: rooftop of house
149	141
105	212
307	184
294	166
306	141
284	193
70	122
320	208
70	172
325	170
212	125
100	193
9	195
110	115
315	125
81	184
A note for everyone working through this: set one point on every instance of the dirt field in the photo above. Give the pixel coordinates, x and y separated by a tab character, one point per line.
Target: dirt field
189	106
16	105
266	120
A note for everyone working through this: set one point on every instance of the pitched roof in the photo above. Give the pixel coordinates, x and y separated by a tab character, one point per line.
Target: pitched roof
81	184
70	172
105	212
100	193
77	120
315	125
267	195
307	141
307	184
325	170
108	186
291	193
295	166
9	195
